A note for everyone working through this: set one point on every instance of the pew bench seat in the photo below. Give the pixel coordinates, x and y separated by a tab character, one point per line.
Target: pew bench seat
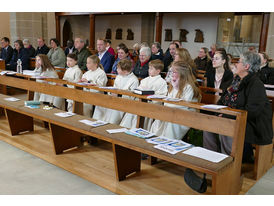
66	133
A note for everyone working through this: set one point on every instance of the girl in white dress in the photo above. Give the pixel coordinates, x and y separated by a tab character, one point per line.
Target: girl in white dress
183	86
72	74
97	76
125	80
153	82
45	68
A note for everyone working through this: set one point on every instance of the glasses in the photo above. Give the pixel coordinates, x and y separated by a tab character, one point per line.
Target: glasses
142	55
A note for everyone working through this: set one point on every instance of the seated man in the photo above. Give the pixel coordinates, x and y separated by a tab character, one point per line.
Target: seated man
106	59
82	53
42	47
7	50
169	56
70	47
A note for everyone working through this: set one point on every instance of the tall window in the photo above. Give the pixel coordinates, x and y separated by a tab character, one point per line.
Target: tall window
236	33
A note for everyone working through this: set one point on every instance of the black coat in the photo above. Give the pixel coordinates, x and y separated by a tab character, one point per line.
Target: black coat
43	50
23	55
226	80
67	50
167	61
6	54
31	51
203	64
266	74
141	72
251	96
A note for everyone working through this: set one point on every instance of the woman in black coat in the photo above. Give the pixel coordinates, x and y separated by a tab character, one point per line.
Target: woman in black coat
265	72
141	67
19	53
247	92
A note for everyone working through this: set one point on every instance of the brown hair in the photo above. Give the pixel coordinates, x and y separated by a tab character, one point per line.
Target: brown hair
185	77
125	65
73	56
45	62
95	59
185	57
265	56
157	64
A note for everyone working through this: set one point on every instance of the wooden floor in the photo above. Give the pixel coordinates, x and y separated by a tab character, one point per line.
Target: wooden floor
95	164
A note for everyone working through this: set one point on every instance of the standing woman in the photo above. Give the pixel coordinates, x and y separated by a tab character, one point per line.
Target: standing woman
21	53
220	76
265	72
56	54
46	69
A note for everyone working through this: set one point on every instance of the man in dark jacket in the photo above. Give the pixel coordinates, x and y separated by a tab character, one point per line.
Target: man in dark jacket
7	50
42	47
106	59
82	53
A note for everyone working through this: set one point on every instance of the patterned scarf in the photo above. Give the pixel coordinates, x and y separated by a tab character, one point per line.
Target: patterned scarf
231	96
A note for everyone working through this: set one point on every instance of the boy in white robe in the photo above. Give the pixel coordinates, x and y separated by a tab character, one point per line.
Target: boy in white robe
97	76
125	80
72	74
184	86
153	82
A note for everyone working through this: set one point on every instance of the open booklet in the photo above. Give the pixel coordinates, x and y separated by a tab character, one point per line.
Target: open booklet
139	132
171	146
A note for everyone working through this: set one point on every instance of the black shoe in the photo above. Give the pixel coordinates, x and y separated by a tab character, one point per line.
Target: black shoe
194	181
144	156
92	140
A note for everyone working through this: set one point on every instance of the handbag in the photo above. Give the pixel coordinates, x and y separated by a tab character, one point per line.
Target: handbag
194	181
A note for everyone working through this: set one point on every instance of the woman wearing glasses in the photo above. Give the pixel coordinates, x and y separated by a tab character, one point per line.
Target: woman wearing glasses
141	67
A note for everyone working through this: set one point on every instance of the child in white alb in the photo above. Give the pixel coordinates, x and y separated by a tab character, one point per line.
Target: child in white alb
125	80
153	82
96	76
183	86
72	74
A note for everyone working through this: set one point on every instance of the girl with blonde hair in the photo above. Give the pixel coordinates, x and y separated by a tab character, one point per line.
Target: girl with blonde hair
183	86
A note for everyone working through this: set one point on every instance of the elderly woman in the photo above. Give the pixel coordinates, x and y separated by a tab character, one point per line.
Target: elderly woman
246	92
141	67
21	53
56	54
157	52
265	72
29	47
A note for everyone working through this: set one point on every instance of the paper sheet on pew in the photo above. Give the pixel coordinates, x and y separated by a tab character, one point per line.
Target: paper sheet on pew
31	72
11	99
108	87
172	99
206	154
269	86
113	131
7	72
86	84
213	106
155	96
93	123
64	114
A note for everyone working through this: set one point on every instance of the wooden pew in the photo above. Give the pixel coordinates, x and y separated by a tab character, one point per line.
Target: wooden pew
225	175
32	63
2	64
263	153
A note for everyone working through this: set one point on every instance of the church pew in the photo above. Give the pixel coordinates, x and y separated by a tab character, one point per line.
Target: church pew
263	153
2	64
225	175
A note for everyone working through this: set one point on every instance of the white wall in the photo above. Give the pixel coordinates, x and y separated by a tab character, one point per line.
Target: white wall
5	24
125	22
206	22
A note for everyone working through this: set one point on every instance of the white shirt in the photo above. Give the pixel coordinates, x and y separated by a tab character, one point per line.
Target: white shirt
100	55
